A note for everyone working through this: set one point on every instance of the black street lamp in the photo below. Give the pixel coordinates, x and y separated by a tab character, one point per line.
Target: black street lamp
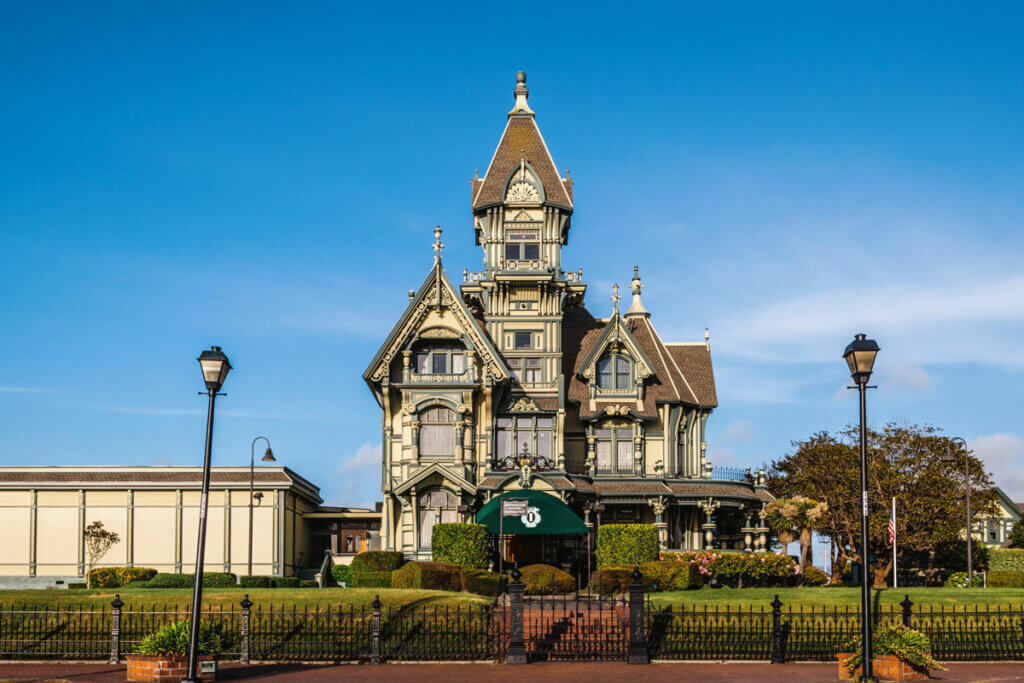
215	367
959	441
860	356
258	497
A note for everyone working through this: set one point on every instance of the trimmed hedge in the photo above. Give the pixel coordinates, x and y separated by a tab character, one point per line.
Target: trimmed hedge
1006	560
670	575
814	577
286	581
376	561
256	581
115	577
611	580
543	579
465	545
368	579
308	583
342	573
741	569
439	576
1005	579
483	582
626	544
210	580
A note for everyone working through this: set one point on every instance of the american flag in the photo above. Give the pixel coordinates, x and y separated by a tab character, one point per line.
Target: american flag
892	524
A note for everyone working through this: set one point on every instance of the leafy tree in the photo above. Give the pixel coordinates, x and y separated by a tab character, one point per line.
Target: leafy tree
905	461
795	518
1016	538
97	542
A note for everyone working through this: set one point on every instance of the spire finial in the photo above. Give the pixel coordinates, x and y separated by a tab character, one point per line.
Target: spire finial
615	297
521	93
707	337
635	287
437	246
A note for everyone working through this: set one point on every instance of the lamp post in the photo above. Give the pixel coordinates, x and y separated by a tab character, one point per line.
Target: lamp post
258	497
860	356
967	475
215	367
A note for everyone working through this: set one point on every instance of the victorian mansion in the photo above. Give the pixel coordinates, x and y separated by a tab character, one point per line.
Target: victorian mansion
508	382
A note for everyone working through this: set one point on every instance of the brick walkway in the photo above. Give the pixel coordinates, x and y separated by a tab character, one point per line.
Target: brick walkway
500	673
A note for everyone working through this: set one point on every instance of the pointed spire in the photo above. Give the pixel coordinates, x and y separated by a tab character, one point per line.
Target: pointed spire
707	337
637	309
521	93
437	246
615	299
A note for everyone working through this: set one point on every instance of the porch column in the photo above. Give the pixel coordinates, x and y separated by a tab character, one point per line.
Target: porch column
709	506
658	505
762	531
748	532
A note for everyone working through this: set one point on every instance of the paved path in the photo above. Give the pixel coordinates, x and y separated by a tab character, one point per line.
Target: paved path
501	673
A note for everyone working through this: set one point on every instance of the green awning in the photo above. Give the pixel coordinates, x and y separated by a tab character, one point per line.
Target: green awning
547	515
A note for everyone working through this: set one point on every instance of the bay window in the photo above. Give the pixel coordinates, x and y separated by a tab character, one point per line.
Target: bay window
535	433
437	432
614	450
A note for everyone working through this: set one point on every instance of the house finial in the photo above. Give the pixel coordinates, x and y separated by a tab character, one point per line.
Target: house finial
437	246
637	309
707	337
615	298
521	93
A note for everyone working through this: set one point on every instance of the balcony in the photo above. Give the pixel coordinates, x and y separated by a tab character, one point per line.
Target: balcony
466	377
730	474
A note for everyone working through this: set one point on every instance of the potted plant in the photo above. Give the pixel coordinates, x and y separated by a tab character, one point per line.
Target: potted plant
162	656
898	653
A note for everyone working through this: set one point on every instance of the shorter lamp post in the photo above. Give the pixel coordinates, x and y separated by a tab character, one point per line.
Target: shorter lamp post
215	367
860	356
951	458
257	496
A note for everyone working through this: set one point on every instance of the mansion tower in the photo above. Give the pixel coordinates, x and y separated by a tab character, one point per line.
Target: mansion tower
511	369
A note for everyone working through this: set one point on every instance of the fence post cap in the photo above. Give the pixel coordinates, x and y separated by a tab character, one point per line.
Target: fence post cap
516	574
246	602
376	602
906	604
776	603
637	576
116	602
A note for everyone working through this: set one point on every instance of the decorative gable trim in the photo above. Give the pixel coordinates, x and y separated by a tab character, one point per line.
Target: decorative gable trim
440	470
616	333
436	292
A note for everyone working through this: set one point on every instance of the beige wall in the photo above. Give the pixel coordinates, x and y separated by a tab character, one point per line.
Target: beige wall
157	529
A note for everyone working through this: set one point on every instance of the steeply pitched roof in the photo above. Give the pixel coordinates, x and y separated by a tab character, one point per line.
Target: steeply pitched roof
694	362
521	137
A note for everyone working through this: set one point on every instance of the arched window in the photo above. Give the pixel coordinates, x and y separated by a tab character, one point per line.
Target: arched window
437	432
614	371
436	505
440	358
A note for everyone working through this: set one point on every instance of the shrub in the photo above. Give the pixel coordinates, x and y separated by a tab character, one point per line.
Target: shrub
611	580
115	577
376	561
742	569
429	575
912	647
1016	537
256	582
814	577
465	545
1007	560
960	580
483	582
626	544
342	574
210	580
1005	579
543	579
285	581
172	639
308	583
368	579
667	575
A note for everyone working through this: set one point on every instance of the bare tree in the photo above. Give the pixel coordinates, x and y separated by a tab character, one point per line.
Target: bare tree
97	542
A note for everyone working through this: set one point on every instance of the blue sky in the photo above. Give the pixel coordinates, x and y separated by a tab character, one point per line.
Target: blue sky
265	177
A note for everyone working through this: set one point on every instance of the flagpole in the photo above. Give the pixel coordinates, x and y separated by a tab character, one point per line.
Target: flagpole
894	580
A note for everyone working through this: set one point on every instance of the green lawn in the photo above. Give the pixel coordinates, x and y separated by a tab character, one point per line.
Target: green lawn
841	596
287	597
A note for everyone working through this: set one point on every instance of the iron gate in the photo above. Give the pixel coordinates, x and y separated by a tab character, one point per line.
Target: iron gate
576	628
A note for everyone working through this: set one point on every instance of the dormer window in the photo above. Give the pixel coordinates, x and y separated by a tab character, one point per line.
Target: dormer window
440	359
614	372
522	245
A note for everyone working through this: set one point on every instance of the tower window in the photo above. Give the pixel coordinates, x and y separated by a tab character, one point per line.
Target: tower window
522	245
614	372
526	370
523	340
437	432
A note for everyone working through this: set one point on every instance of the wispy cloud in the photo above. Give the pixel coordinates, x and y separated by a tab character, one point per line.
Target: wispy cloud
739	430
1003	455
359	476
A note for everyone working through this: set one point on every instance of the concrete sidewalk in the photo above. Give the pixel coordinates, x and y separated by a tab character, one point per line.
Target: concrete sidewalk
583	672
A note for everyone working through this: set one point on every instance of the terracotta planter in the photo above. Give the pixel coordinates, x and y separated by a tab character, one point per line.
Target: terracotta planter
167	669
883	667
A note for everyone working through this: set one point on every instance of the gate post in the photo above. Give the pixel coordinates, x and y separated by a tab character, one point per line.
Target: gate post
777	640
906	605
637	620
243	657
115	630
375	655
516	642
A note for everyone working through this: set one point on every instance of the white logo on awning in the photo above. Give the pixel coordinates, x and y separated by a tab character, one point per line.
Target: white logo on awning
531	518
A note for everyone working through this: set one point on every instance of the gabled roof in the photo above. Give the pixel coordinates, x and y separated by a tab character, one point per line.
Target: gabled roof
430	471
521	139
694	362
436	290
614	330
